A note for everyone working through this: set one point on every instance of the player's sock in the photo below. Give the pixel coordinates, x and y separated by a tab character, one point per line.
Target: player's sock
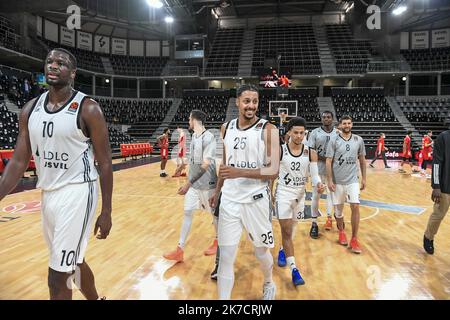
185	228
329	205
266	261
225	275
215	223
315	204
291	263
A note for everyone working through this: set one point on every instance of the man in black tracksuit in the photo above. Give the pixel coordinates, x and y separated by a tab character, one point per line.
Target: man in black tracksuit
440	182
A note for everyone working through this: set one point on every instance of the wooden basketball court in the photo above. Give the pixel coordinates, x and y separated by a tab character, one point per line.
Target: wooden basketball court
147	215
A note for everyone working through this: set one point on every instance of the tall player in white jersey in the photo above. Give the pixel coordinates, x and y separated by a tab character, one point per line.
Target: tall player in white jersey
63	129
296	164
201	182
344	152
319	140
250	160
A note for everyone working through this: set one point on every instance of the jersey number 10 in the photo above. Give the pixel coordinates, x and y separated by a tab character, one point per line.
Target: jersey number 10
48	129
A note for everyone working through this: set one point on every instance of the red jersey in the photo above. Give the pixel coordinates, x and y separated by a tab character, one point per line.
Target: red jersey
407	152
380	145
426	150
164	142
181	146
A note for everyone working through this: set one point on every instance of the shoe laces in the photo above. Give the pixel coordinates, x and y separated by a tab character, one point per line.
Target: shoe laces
268	291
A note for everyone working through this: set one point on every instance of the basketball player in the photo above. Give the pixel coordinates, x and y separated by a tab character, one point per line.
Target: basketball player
407	154
380	151
63	129
343	153
296	163
427	151
201	183
250	160
163	142
440	182
181	160
318	140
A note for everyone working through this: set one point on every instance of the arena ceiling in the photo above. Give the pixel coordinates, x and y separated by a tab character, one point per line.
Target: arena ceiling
135	19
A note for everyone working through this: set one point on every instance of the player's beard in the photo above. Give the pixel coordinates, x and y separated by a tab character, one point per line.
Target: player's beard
346	130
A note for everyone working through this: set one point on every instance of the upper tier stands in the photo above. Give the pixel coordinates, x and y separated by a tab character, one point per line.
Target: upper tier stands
11	40
85	59
371	115
122	65
138	66
426	113
351	56
129	111
428	59
224	56
295	43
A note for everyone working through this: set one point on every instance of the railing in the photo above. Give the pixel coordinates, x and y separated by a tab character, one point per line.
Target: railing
388	66
180	71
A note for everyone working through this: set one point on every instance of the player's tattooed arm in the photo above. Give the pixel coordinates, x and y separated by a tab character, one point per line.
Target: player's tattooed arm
22	154
215	197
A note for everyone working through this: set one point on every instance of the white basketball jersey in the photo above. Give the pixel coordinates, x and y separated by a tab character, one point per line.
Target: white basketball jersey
63	154
244	149
294	172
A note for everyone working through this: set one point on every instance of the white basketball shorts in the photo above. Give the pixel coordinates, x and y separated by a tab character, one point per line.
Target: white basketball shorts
288	208
67	220
196	199
255	217
346	193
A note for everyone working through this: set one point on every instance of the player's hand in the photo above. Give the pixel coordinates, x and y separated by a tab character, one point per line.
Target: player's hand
436	195
184	189
227	172
331	186
213	200
363	185
320	187
104	223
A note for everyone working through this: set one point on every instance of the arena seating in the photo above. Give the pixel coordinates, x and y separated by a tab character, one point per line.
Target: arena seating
371	115
132	111
428	59
213	103
116	138
12	86
11	40
351	55
295	43
138	66
426	113
9	127
85	59
134	150
223	59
